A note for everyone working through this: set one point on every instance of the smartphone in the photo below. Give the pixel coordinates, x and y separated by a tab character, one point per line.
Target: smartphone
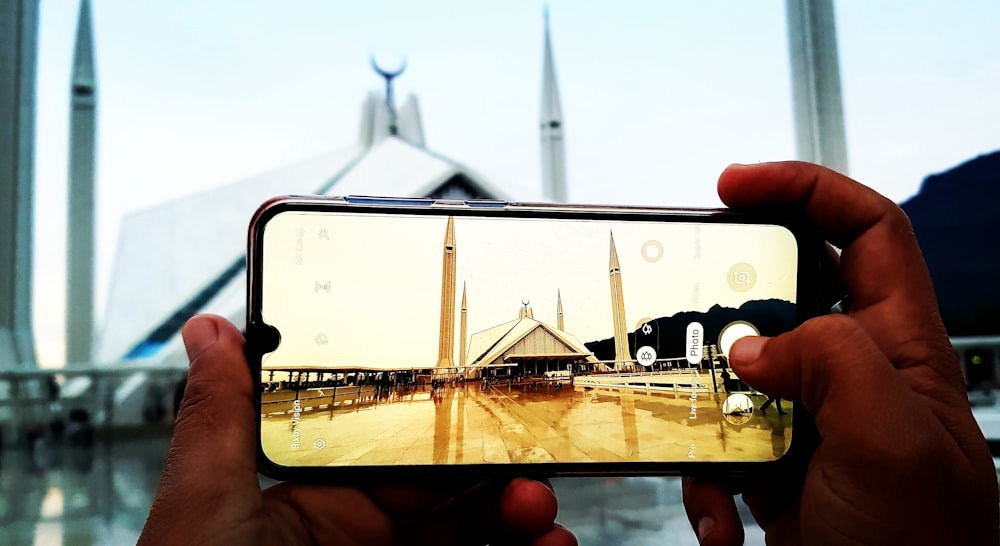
393	337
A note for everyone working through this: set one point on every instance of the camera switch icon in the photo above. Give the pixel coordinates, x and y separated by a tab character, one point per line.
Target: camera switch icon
741	277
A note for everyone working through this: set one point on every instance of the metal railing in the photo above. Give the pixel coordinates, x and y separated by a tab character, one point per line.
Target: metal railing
123	395
41	402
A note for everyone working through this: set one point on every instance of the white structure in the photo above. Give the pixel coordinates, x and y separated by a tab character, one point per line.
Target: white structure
816	98
188	256
551	127
80	197
18	47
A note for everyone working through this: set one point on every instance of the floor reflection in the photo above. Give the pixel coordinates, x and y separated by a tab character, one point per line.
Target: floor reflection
521	423
101	495
632	511
61	494
57	494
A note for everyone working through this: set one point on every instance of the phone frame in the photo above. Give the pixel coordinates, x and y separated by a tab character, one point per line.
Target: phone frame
261	338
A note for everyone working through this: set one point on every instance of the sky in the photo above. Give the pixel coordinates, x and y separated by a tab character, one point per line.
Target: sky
658	97
372	284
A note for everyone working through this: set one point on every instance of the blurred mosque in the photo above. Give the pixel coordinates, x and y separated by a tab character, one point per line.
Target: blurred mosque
390	158
191	250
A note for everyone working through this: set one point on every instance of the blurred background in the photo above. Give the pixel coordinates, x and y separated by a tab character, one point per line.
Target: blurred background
136	139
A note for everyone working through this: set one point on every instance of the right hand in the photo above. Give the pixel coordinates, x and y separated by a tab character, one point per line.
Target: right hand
901	460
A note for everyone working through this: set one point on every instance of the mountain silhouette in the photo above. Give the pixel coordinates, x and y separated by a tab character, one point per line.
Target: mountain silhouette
955	218
770	317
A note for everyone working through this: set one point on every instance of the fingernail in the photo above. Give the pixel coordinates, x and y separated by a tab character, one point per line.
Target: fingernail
199	334
705	526
747	349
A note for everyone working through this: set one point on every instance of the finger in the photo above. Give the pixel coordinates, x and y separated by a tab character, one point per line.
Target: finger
467	519
889	286
712	512
522	502
309	513
779	516
529	507
840	207
774	501
875	428
492	512
843	380
213	441
839	374
471	517
557	536
213	424
521	512
420	496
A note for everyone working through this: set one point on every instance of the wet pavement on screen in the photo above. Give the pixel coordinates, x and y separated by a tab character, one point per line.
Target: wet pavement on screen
521	423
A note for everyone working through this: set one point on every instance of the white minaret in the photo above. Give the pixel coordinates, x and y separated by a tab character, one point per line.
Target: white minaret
80	200
551	126
18	46
816	98
446	338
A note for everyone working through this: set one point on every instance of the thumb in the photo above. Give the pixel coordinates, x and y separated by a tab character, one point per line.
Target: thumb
829	364
214	437
215	420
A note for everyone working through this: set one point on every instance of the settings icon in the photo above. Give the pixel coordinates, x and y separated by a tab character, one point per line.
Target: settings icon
319	443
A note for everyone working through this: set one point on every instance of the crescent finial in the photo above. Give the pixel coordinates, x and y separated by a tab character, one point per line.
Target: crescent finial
387	74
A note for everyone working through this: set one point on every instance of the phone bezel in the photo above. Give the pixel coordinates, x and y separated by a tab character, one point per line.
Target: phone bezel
260	338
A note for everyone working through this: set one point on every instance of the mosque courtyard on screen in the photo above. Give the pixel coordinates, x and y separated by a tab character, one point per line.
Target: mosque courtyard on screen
520	391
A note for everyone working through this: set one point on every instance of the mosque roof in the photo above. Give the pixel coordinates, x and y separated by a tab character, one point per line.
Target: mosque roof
487	346
188	256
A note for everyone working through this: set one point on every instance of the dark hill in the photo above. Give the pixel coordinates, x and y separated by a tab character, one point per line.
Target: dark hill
771	317
956	218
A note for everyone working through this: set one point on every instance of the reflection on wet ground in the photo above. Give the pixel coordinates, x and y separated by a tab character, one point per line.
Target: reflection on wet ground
529	422
632	511
58	494
101	495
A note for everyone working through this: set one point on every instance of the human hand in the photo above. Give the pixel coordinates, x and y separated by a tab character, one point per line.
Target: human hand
210	494
900	457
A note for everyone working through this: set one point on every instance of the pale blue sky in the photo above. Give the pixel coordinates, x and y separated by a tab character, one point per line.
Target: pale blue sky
658	97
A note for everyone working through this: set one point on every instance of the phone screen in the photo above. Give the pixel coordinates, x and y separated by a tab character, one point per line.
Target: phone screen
448	339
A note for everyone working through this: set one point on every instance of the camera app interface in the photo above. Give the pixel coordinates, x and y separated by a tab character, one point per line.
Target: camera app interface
427	339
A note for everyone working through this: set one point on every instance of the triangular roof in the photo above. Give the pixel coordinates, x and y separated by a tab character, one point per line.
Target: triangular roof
490	344
394	167
188	256
168	254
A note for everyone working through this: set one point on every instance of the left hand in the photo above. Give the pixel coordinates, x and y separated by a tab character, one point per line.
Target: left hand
210	494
